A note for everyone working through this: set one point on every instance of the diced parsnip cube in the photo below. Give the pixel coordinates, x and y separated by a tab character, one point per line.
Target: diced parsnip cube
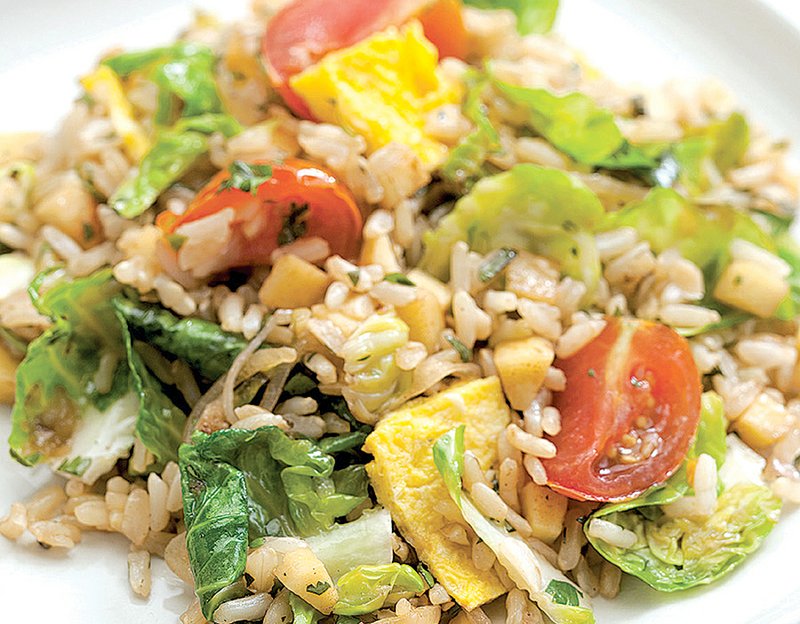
544	510
430	283
293	283
302	573
751	287
8	371
532	277
425	319
522	366
379	251
763	423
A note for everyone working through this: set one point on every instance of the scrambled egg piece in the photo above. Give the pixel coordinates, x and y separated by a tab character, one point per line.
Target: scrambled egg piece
407	483
382	88
104	85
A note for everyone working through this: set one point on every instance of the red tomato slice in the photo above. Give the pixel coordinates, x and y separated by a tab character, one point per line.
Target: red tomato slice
306	30
628	415
332	213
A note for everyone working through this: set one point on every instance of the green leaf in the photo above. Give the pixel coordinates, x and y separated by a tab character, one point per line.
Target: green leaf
85	430
366	541
241	485
203	345
59	411
160	422
564	593
343	442
703	235
184	74
463	351
466	163
731	140
495	264
166	162
533	16
675	554
303	612
318	588
398	278
246	177
526	567
537	209
573	123
294	224
366	588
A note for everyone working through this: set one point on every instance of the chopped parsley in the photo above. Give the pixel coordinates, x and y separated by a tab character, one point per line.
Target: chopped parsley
318	588
246	177
176	241
591	372
88	231
398	278
426	575
354	276
564	593
492	266
464	353
294	225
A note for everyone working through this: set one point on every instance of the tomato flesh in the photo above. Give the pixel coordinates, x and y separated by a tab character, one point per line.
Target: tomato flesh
331	214
628	414
304	31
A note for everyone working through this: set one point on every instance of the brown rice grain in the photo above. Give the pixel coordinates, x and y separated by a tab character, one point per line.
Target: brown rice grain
136	517
570	552
438	595
92	514
244	609
157	490
14	524
551	420
193	614
55	533
508	482
139	576
482	556
578	336
472	471
156	543
46	503
611	533
519	524
279	611
176	557
489	502
586	578
74	487
610	577
456	533
530	444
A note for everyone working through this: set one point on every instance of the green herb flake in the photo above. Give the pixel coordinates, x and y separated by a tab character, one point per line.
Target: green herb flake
591	372
294	225
354	276
398	278
88	231
176	241
247	177
318	588
426	574
564	593
300	384
495	264
464	353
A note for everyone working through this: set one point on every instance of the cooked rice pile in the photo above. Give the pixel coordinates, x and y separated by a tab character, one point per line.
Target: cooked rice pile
58	218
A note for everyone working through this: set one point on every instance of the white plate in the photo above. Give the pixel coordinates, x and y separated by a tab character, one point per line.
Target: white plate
46	44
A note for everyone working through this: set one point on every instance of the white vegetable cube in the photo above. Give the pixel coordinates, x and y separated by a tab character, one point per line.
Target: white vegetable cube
293	283
532	277
544	510
425	319
751	287
764	422
522	366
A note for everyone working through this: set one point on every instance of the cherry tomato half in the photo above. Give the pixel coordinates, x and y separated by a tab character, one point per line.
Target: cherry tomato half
628	414
299	195
306	30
